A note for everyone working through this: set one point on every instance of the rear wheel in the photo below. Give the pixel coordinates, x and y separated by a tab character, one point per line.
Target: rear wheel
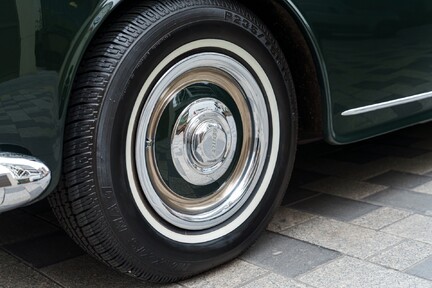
179	141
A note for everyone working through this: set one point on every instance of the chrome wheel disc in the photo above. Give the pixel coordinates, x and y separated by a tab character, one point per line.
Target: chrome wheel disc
201	140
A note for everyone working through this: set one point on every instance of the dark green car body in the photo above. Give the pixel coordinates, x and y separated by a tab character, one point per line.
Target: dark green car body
44	43
371	52
364	53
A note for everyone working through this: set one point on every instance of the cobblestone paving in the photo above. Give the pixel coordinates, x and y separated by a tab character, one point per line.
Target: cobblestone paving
354	216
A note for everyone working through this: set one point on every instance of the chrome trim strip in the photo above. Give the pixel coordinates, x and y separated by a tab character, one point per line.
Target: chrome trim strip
22	179
388	104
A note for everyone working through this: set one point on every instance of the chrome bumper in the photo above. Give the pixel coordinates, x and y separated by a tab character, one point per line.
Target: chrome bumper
22	179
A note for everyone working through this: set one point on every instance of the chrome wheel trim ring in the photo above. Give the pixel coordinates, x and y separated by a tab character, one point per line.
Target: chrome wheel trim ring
261	187
233	77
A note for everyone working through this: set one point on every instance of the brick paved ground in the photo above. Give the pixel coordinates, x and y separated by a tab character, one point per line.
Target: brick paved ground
354	216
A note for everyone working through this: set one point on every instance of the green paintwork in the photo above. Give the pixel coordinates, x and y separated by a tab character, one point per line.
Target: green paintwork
368	52
45	40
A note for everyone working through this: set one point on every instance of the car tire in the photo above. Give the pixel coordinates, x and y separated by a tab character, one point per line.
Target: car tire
179	140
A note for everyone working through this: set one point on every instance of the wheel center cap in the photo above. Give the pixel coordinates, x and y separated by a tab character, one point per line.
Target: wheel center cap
204	141
209	143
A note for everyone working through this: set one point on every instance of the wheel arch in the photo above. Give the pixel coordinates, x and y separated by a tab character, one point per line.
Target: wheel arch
96	18
296	38
308	68
79	46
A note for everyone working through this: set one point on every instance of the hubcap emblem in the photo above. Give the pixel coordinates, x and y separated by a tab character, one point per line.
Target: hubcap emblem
209	143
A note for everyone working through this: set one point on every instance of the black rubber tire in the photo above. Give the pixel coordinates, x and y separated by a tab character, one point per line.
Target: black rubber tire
94	201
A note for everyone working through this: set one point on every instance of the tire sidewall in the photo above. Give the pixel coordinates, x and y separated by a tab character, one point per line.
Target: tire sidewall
138	237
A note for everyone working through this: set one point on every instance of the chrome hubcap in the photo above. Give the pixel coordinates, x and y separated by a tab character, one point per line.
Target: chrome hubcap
204	141
201	140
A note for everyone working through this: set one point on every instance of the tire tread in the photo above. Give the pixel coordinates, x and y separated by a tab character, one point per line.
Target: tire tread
76	202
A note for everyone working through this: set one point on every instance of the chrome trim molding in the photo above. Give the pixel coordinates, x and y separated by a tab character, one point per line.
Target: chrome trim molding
388	104
22	179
